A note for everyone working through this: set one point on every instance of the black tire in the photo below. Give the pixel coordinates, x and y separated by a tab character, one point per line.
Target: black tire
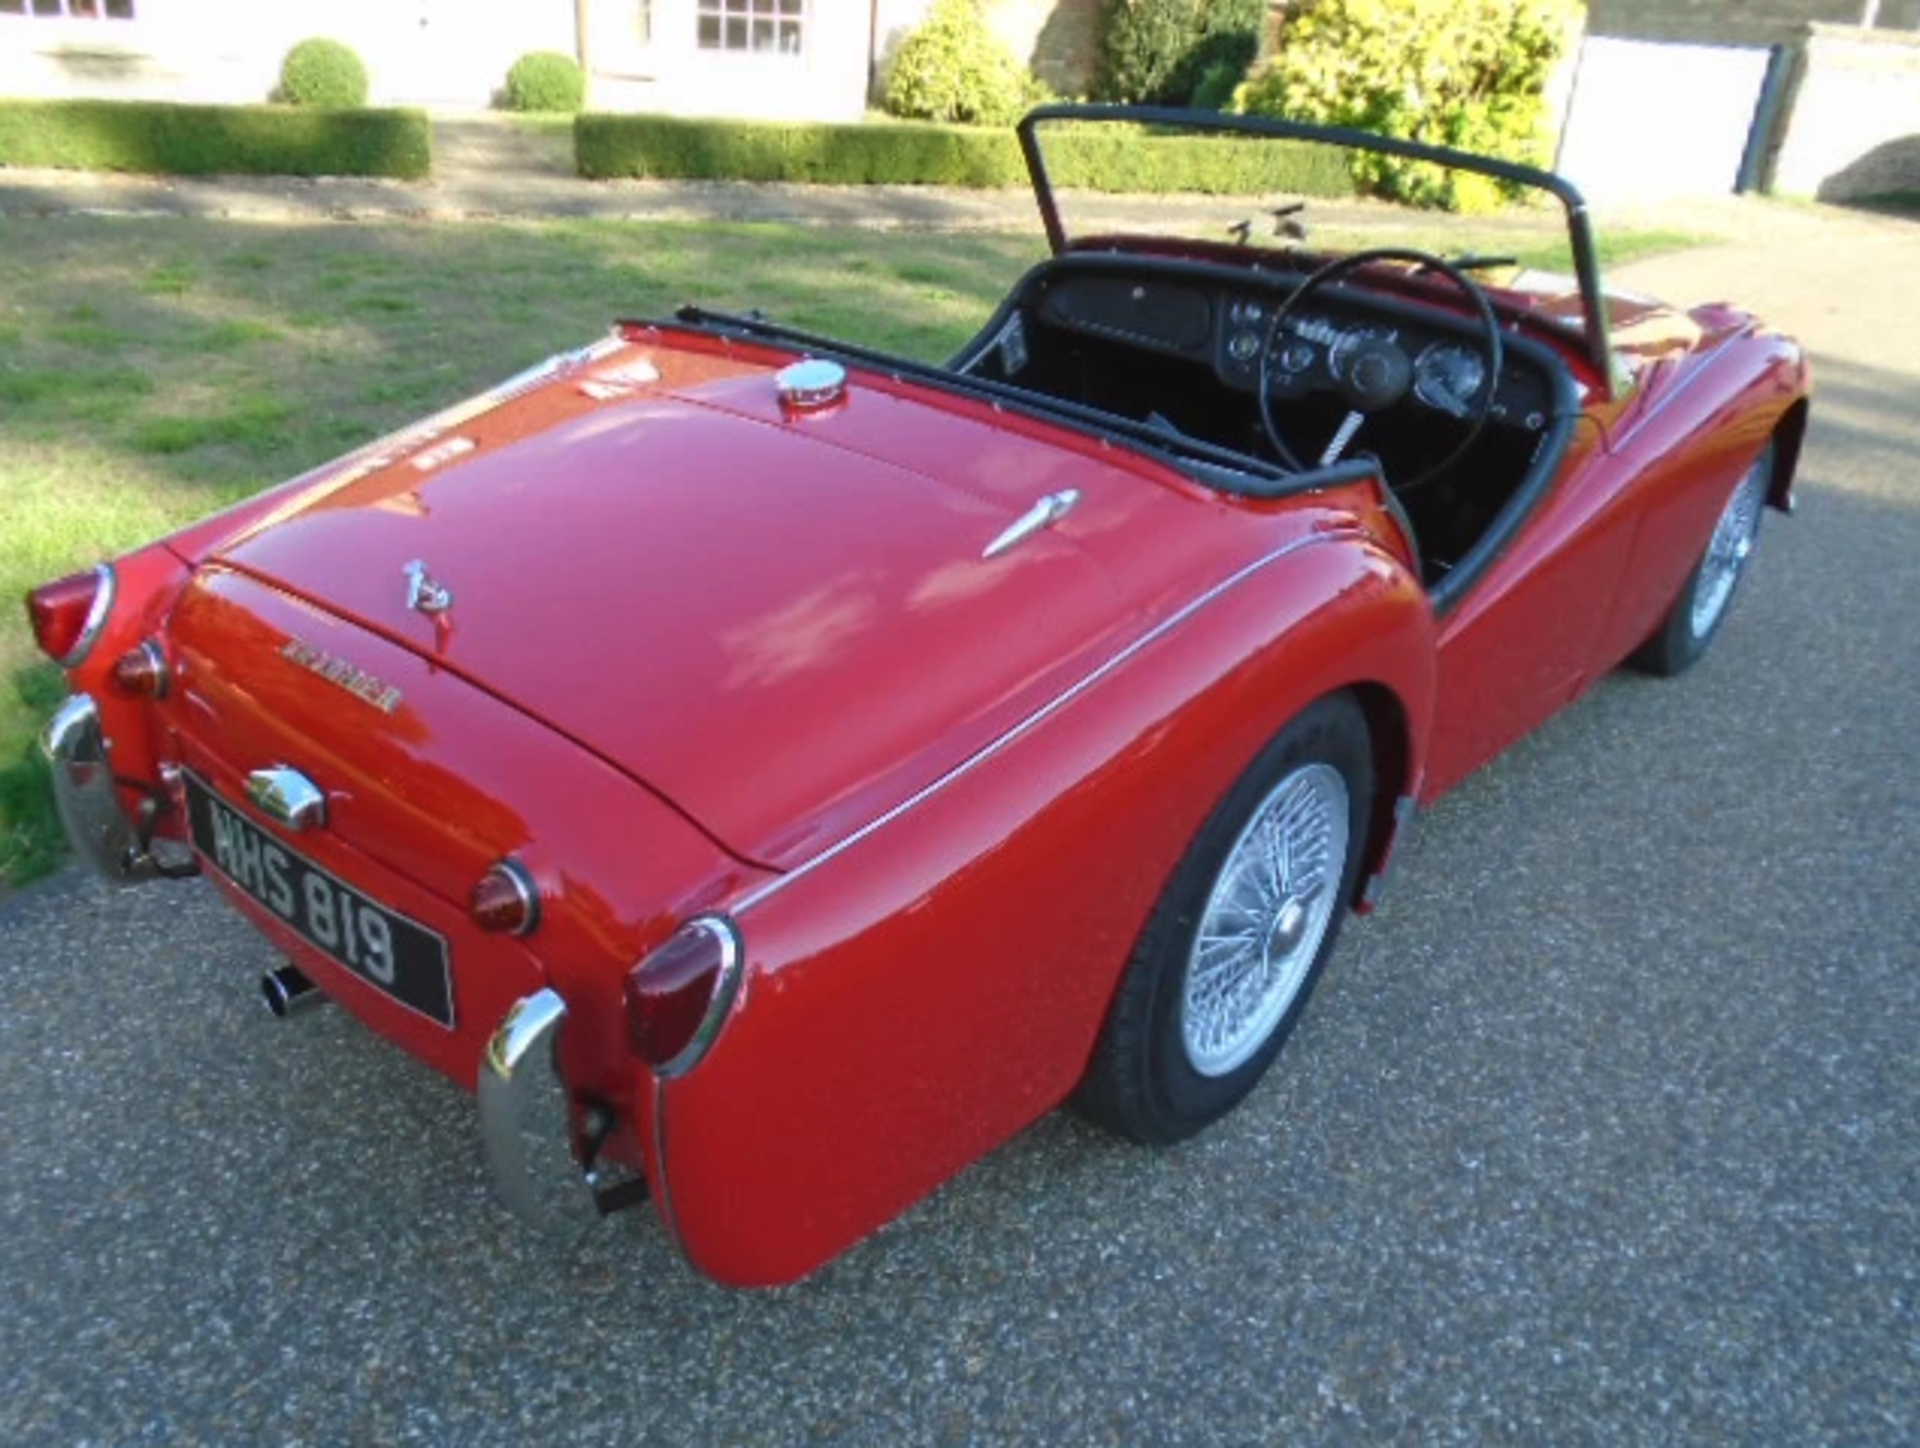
1160	1073
1707	596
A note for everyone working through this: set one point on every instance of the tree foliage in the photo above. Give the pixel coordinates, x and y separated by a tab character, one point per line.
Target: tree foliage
1163	52
1470	74
954	69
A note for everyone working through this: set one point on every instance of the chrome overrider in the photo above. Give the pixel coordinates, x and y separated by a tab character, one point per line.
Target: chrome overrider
83	789
526	1120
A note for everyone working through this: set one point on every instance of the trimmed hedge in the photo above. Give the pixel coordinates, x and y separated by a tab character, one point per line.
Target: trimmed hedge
178	140
322	72
545	81
1097	158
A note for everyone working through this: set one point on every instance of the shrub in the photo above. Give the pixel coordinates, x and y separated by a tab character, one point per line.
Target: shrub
1225	45
1099	158
546	80
322	73
1471	74
954	69
869	153
1217	85
172	140
1161	52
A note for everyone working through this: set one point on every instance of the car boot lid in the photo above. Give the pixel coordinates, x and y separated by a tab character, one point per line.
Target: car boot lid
779	611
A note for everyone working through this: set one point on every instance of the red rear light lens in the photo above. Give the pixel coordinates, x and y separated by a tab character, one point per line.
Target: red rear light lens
505	900
68	614
142	673
679	996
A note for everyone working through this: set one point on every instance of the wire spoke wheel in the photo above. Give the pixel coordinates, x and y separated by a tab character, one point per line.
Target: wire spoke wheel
1728	551
1240	935
1262	925
1690	624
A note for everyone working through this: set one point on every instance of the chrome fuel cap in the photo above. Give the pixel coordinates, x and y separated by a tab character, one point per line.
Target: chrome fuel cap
811	386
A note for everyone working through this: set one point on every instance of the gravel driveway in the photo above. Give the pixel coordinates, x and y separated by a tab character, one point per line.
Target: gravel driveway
1603	1132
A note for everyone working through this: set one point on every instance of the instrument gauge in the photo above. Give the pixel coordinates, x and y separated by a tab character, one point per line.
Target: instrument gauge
1446	376
1344	345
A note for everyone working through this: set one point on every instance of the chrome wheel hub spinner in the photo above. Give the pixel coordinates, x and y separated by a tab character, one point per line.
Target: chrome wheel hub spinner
1265	919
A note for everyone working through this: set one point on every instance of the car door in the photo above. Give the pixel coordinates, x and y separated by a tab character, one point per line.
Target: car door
1520	644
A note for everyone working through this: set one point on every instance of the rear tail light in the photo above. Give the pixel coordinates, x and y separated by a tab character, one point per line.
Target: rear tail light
68	614
505	900
142	673
679	996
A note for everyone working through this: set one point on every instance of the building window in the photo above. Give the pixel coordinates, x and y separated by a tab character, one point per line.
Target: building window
72	9
766	26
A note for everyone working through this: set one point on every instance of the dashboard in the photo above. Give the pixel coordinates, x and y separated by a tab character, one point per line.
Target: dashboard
1227	325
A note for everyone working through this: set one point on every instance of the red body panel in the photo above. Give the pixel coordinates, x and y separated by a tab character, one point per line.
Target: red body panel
1604	556
938	983
708	654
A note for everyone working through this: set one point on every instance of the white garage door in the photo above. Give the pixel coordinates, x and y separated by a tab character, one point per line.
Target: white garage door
1653	119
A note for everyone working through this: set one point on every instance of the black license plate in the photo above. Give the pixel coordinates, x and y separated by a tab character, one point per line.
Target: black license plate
383	948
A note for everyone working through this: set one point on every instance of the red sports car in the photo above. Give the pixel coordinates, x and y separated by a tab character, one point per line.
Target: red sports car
773	773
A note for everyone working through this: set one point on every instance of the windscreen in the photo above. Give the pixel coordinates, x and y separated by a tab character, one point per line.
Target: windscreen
1318	192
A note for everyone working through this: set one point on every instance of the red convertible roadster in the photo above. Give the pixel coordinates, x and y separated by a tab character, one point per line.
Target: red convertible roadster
773	773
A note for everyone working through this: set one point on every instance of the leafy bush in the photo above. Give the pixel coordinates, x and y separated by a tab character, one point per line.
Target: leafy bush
954	69
1103	158
1225	44
322	73
545	80
172	140
1161	52
1471	74
1216	88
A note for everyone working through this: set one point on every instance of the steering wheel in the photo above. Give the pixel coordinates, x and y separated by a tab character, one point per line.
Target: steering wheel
1376	373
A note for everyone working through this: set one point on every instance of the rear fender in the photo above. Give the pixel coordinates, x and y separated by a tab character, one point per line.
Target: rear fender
921	991
146	584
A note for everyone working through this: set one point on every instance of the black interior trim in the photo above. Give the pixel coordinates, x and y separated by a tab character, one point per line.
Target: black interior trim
1586	256
1211	464
1216	467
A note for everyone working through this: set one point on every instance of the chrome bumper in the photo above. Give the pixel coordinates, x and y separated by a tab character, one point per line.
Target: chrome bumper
526	1120
83	789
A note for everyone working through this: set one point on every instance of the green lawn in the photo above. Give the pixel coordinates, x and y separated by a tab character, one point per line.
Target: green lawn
153	370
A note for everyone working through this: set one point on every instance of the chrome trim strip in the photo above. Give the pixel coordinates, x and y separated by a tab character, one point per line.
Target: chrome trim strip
1640	424
156	657
284	794
724	993
1038	717
664	1187
526	1120
97	612
1041	516
521	878
84	794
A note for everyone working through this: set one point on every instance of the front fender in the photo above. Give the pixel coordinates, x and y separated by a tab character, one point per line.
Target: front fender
927	987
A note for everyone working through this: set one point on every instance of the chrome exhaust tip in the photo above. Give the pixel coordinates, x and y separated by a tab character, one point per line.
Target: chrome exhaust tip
286	991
